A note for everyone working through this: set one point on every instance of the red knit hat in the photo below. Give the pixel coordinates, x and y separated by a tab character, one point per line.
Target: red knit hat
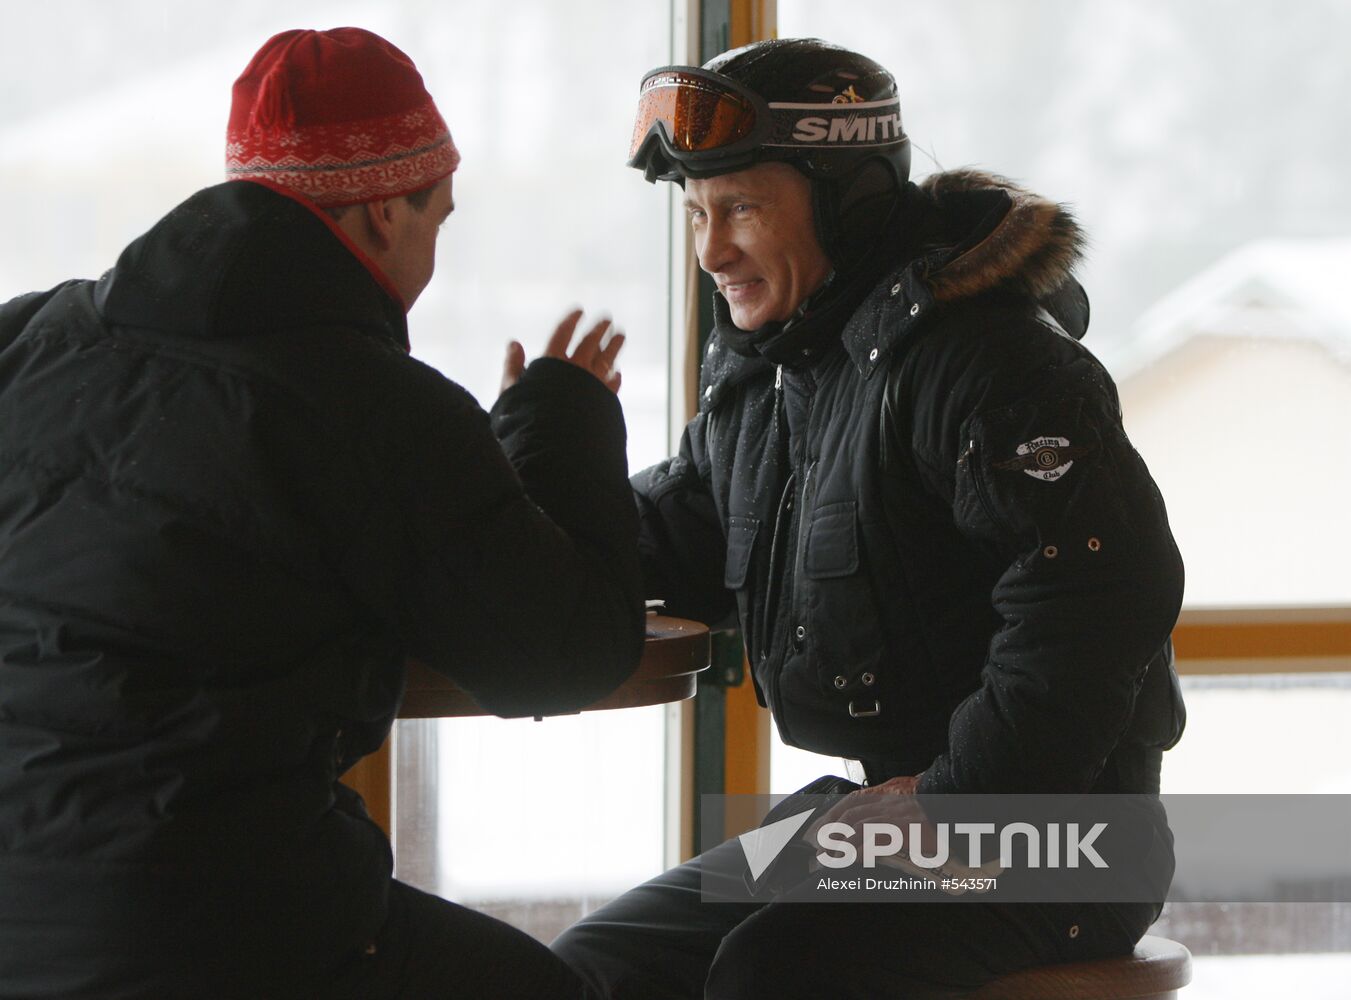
339	116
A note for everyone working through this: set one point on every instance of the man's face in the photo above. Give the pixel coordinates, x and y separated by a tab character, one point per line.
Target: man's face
754	234
412	257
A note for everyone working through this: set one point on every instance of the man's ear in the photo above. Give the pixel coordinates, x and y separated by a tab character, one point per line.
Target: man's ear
380	217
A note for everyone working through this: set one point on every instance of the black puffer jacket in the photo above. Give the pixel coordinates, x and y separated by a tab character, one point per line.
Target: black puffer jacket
945	555
230	505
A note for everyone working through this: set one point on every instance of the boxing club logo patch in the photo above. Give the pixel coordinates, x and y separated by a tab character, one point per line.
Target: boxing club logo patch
1044	458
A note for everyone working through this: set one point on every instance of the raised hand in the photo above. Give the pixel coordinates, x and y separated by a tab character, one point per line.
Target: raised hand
594	352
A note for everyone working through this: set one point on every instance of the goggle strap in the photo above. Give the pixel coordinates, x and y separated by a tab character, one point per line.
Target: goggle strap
835	126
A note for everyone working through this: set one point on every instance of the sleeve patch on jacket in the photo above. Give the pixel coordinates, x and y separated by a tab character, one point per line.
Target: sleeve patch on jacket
1044	458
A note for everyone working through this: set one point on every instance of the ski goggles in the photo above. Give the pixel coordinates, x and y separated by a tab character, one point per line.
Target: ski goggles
697	123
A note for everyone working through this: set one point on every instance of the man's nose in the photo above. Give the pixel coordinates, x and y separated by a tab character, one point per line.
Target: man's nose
714	247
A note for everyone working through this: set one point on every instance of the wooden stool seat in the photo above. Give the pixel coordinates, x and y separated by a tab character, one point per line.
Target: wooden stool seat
1155	971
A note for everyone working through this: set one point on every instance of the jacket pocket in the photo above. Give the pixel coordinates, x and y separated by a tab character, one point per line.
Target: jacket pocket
741	532
832	541
842	645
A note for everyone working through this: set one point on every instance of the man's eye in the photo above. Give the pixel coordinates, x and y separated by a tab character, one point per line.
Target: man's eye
741	208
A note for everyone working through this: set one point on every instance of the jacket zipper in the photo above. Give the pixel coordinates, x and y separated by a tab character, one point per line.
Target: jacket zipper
969	459
775	591
767	616
782	514
802	525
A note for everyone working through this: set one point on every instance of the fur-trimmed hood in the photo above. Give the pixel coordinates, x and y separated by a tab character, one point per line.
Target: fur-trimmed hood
965	234
994	233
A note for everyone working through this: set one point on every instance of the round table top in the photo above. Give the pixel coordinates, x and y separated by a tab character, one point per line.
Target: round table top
674	653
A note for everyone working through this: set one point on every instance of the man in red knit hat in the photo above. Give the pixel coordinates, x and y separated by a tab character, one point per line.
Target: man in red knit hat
342	119
231	505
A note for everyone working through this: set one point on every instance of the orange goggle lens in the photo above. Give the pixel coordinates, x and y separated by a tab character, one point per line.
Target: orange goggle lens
695	113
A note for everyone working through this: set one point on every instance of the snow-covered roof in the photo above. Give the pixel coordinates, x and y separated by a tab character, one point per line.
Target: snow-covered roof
1284	289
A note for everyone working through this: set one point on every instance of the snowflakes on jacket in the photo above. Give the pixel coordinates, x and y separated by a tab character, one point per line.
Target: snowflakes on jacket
907	595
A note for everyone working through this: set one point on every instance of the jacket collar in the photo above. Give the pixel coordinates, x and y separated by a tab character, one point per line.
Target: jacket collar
723	368
978	234
241	259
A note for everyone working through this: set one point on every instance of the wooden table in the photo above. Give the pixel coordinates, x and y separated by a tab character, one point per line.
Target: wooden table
674	653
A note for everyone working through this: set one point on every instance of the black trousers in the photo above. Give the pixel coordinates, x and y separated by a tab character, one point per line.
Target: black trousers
427	949
430	948
659	941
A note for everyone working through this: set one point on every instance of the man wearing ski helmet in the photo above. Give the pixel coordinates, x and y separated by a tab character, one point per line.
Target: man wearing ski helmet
910	482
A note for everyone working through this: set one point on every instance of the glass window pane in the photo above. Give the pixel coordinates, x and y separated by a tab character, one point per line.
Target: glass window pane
1227	716
538	823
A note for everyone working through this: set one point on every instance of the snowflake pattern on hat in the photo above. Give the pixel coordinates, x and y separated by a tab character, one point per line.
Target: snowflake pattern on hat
289	121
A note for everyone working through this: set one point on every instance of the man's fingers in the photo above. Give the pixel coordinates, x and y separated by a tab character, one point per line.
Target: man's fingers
513	365
901	785
588	354
557	347
611	350
863	805
832	815
589	346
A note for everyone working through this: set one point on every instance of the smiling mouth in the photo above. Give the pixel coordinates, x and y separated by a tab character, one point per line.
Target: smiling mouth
735	289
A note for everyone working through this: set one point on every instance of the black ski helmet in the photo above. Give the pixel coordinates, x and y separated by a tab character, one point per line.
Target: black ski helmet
832	113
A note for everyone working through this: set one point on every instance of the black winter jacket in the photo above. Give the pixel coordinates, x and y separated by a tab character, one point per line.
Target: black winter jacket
230	506
944	553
